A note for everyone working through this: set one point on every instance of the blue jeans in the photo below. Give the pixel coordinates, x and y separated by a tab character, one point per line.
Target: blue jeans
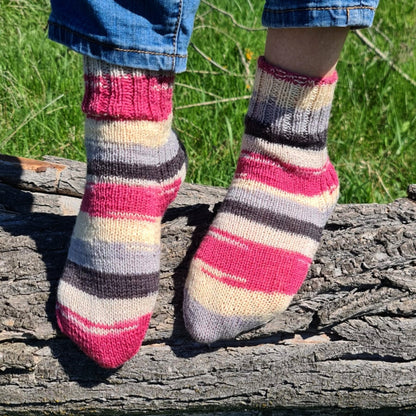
154	34
319	13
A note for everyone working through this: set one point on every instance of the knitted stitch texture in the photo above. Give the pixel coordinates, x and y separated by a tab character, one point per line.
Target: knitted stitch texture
135	165
258	250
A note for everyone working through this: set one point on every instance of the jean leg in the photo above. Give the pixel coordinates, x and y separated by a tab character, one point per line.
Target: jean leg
319	13
135	33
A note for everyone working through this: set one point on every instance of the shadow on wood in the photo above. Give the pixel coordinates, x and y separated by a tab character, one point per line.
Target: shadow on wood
347	342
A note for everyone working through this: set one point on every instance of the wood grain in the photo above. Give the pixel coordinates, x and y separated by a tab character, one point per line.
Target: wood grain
347	342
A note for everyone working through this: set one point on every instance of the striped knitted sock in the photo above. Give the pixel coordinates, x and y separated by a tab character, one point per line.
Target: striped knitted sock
258	250
135	167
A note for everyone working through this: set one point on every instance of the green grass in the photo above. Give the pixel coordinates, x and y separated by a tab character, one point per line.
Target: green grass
373	126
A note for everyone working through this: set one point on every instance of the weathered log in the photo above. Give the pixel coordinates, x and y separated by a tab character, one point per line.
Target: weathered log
347	342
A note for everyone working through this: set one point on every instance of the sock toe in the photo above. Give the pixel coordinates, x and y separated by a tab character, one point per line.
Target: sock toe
206	326
109	346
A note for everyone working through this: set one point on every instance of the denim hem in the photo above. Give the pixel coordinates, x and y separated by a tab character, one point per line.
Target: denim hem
78	42
354	17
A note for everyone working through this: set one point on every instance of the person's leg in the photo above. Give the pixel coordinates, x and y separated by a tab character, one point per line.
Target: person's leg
312	52
135	166
258	250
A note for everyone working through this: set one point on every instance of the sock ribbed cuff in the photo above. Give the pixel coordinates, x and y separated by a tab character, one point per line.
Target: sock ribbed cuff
290	109
116	92
296	79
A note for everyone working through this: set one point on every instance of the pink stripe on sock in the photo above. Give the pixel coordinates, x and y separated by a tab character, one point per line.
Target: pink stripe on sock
128	97
110	350
264	170
112	200
294	78
281	271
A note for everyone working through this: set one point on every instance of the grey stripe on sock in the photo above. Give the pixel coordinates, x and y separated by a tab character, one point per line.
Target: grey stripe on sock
137	171
296	120
131	258
268	132
280	205
110	285
211	326
133	153
272	219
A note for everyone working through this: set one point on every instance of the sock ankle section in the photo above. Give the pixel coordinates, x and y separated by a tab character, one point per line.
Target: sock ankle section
258	250
121	93
135	166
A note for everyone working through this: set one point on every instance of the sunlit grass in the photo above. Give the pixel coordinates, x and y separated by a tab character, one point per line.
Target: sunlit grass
373	125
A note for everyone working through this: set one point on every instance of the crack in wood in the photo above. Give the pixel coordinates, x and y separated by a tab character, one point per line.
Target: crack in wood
349	333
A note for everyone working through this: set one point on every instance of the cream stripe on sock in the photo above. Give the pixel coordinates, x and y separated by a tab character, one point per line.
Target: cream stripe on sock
245	302
323	201
306	159
262	234
104	311
143	132
90	228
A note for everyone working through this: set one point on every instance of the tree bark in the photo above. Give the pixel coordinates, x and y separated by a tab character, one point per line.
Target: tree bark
347	341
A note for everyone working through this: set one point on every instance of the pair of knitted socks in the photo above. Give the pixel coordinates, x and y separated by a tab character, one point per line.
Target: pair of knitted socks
256	253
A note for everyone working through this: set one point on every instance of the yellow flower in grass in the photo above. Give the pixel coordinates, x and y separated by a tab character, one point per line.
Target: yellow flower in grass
249	54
